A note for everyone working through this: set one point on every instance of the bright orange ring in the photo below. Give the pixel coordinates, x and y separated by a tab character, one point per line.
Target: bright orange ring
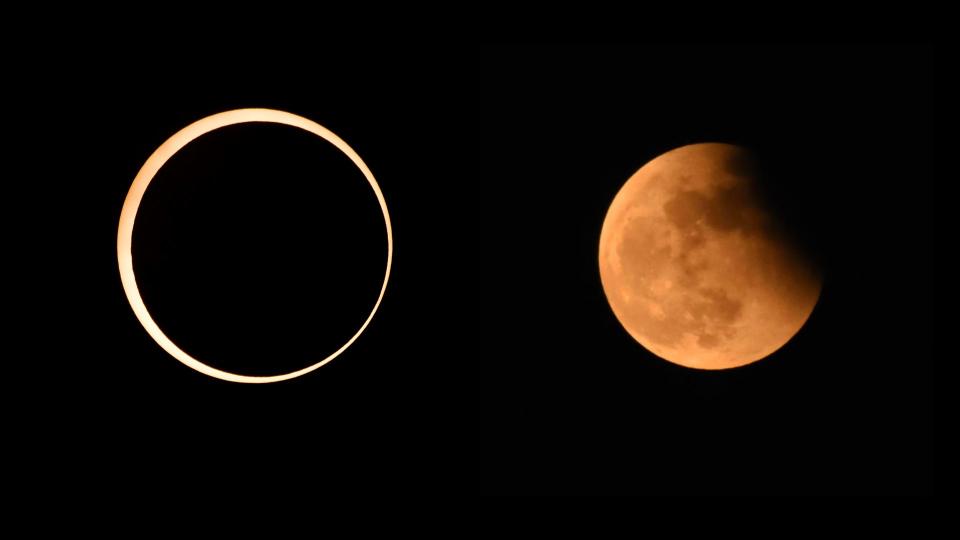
139	187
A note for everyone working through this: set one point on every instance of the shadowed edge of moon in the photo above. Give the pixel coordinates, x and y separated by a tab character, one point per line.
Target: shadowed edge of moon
695	268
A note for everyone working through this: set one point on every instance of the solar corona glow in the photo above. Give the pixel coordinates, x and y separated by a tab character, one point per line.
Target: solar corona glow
149	170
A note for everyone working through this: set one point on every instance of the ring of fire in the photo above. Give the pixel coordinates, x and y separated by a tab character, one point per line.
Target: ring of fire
146	174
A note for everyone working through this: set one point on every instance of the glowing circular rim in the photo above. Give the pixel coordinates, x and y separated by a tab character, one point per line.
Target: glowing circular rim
153	164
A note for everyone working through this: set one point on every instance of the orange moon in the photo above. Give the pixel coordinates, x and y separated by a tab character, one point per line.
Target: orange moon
694	265
139	186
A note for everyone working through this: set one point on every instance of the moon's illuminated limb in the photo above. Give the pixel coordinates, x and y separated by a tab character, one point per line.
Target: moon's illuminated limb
694	265
146	175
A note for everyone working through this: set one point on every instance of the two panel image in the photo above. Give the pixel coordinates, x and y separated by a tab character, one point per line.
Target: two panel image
501	268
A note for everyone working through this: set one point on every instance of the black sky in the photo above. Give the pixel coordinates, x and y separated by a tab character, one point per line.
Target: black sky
494	363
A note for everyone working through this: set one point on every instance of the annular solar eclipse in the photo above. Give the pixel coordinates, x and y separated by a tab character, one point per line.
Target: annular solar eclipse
149	170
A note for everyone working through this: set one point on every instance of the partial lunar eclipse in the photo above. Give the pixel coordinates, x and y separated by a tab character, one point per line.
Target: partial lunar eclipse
695	267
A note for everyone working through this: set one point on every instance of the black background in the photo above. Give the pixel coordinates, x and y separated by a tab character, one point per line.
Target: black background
494	363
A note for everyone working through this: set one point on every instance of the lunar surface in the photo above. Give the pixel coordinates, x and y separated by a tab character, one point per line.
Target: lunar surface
695	267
